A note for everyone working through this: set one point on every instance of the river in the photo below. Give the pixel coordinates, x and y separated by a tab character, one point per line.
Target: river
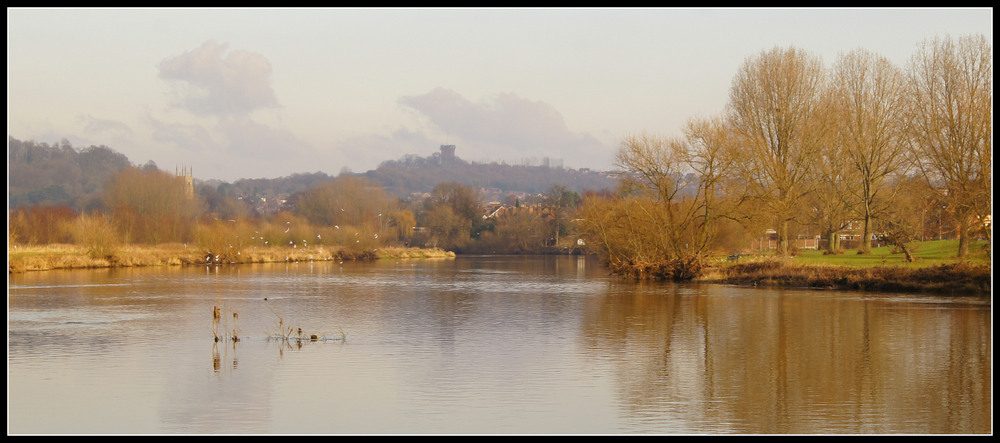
482	345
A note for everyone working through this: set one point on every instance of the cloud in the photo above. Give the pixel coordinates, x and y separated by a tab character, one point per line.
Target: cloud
367	151
506	126
236	147
105	127
194	138
226	86
211	80
248	138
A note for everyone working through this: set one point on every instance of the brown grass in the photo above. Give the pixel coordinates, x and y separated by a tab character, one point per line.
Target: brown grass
64	256
414	253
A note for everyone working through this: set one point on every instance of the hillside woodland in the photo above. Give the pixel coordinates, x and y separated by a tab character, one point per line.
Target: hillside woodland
95	196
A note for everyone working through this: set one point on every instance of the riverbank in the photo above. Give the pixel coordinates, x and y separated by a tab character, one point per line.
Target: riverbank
966	279
50	257
959	278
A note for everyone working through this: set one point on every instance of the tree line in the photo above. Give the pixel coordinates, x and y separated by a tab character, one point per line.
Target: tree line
799	147
351	214
96	197
39	174
802	145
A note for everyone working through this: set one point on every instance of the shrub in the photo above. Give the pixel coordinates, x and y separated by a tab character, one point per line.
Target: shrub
97	234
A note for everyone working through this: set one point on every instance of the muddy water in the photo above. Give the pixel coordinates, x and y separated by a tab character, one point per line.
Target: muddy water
493	345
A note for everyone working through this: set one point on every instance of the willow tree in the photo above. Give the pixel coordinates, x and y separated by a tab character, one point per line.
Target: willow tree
660	226
950	116
655	168
627	233
774	108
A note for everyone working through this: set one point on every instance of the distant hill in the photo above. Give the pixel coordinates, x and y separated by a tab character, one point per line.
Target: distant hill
414	174
63	175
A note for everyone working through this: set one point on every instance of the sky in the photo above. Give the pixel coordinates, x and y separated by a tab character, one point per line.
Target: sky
270	92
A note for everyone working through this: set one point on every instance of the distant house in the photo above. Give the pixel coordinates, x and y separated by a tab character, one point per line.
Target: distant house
769	241
497	210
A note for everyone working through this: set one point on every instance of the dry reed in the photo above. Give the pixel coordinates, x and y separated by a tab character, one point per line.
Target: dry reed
65	256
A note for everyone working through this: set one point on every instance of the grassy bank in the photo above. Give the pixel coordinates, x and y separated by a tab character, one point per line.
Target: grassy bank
965	279
927	253
49	257
936	270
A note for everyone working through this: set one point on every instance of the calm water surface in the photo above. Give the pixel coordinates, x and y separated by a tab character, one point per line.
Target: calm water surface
483	345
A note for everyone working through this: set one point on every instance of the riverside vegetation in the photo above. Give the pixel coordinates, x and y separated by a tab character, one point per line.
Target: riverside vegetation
935	270
68	256
861	152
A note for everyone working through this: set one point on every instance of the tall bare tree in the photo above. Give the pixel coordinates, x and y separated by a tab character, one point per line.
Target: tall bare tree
951	125
774	108
866	94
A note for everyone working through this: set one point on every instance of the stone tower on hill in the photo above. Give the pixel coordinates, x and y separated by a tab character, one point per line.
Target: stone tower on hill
447	154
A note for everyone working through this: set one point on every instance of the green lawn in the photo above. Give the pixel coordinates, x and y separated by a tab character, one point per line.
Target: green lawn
928	253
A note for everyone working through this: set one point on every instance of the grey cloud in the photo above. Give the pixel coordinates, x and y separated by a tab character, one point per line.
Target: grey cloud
240	137
248	138
187	137
237	147
505	125
105	127
216	81
368	151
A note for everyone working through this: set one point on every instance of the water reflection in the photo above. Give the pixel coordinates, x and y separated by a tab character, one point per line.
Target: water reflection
766	361
482	345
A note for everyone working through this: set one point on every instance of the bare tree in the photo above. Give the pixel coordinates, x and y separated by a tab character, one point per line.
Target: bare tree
447	229
655	166
517	231
830	206
561	203
866	94
350	201
902	222
631	235
774	108
710	153
665	219
150	206
951	125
